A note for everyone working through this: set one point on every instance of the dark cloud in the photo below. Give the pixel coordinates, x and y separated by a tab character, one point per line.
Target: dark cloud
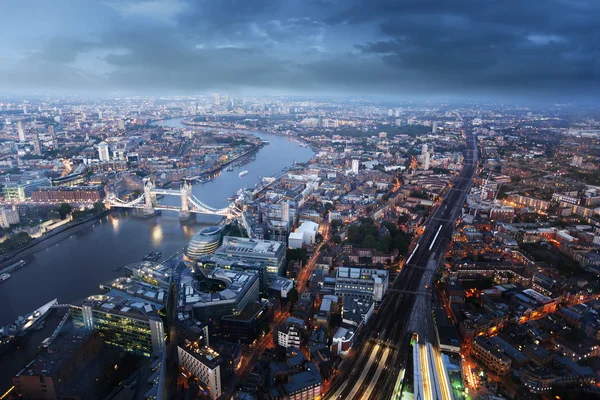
392	47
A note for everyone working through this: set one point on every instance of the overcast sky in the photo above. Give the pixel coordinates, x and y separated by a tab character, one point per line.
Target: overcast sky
529	48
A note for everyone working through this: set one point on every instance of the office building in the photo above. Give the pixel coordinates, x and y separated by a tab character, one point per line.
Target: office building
247	326
361	282
103	152
9	217
23	190
240	288
204	242
434	127
123	321
121	125
204	364
21	131
272	252
210	261
68	194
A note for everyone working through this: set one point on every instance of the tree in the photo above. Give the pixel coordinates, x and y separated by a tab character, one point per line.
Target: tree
336	224
337	239
64	209
318	238
99	207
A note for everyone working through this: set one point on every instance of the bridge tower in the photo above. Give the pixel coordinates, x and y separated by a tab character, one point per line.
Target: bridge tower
149	197
186	192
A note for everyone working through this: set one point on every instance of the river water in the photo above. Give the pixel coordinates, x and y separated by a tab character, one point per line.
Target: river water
73	268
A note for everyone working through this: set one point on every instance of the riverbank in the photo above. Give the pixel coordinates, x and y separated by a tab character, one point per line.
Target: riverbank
50	238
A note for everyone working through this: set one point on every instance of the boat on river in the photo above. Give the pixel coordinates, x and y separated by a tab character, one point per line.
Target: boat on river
4	277
243	173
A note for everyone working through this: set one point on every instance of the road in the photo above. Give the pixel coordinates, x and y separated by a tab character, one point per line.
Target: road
407	306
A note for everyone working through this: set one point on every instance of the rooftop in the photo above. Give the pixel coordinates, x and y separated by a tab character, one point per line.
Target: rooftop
236	282
245	246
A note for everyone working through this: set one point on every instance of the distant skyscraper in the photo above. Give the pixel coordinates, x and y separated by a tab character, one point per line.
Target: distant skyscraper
37	148
434	127
285	212
53	136
103	153
57	119
100	115
355	166
121	125
21	131
25	110
425	156
217	99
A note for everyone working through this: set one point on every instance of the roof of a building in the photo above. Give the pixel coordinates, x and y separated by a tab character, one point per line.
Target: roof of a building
237	283
250	247
304	380
48	362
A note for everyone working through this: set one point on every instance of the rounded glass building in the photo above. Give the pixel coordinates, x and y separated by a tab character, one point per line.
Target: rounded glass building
204	242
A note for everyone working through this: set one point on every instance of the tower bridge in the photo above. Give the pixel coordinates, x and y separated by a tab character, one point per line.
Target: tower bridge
190	204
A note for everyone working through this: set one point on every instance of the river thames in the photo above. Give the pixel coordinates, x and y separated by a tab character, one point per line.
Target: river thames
73	268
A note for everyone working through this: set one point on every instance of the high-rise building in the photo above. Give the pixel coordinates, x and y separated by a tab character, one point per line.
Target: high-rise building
37	148
217	99
121	125
426	161
53	136
21	131
434	127
25	110
355	166
103	153
425	156
285	211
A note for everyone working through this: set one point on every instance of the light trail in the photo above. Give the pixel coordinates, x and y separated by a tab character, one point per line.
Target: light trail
423	366
378	372
7	393
364	373
443	378
435	237
413	253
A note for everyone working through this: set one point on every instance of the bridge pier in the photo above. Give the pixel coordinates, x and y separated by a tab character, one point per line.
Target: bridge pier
150	212
185	215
